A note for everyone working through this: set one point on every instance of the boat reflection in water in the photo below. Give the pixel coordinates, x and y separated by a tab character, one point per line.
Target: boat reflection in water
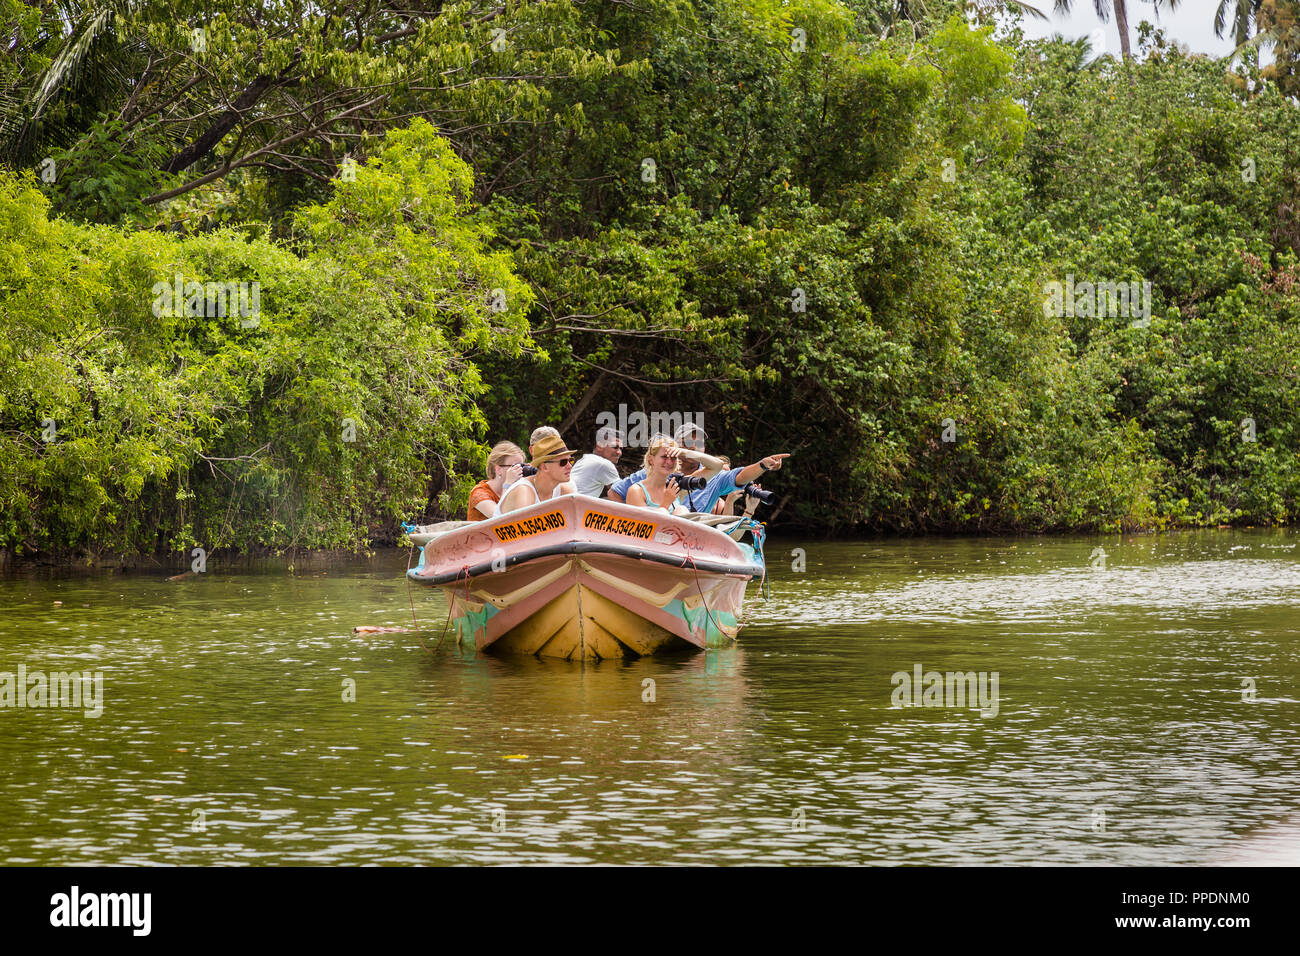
558	761
583	578
711	685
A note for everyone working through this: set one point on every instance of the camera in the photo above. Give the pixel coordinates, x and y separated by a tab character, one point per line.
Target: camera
687	482
767	497
528	470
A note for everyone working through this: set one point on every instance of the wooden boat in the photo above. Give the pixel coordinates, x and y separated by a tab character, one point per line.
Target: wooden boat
591	579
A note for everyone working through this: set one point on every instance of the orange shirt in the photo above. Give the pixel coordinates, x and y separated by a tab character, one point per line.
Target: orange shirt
481	492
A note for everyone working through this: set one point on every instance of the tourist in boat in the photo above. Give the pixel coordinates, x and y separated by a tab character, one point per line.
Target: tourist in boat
727	481
689	439
553	462
657	489
726	505
540	432
595	472
722	481
504	466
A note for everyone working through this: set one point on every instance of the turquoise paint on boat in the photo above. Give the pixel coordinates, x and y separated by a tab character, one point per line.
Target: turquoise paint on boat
471	622
708	619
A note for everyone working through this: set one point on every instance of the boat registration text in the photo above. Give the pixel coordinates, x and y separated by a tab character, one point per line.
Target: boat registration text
597	521
529	526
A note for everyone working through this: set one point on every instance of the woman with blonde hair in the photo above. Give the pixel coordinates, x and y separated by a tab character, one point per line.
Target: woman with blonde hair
504	466
542	431
656	490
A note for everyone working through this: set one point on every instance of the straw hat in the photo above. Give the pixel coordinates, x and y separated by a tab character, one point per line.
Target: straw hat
549	449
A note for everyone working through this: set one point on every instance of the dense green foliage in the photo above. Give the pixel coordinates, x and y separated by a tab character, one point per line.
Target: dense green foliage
136	419
621	204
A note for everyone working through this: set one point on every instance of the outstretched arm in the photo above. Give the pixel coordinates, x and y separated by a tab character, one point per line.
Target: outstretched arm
750	472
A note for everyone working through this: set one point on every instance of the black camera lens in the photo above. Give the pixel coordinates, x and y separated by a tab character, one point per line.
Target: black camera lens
687	482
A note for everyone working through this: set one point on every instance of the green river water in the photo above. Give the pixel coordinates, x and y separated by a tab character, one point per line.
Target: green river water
1146	713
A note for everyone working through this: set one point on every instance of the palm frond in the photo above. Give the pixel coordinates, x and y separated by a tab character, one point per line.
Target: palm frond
1026	8
1264	38
984	8
79	79
64	71
1245	14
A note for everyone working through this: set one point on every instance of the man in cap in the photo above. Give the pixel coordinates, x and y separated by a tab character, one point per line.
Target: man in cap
688	438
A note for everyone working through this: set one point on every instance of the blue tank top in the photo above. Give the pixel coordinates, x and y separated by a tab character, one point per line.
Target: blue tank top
649	502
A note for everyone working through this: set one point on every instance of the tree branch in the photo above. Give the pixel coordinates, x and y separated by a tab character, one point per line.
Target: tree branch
229	166
571	419
643	381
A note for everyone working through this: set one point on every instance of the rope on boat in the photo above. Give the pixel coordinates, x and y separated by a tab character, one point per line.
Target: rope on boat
411	600
758	529
446	623
749	605
764	588
474	631
707	613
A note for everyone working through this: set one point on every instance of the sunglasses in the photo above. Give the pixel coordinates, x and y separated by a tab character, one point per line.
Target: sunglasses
563	462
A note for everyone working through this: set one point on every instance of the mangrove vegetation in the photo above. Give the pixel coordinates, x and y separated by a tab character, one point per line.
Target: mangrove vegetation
276	274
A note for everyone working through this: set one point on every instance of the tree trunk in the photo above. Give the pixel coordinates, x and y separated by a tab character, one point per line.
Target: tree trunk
572	418
1121	21
224	123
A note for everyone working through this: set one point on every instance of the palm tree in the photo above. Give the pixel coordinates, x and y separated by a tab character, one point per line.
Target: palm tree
1245	15
1263	24
980	10
1103	8
1278	26
89	63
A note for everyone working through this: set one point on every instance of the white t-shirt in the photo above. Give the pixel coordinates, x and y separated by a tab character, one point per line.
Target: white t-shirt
592	473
